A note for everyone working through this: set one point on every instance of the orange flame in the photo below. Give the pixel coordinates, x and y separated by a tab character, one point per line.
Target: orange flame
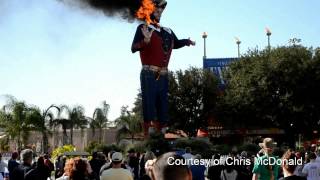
145	10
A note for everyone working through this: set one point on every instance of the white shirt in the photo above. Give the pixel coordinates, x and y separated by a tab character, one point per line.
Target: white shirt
312	170
63	178
116	174
187	156
228	176
3	166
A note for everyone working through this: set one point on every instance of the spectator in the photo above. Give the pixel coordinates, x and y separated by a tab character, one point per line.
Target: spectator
48	162
108	163
12	164
41	172
312	169
288	168
262	169
60	164
165	169
96	163
116	172
214	171
75	169
318	156
19	172
298	169
244	170
313	148
188	154
3	166
229	173
149	155
133	163
198	169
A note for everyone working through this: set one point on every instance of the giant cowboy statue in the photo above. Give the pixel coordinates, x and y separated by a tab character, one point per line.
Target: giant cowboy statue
155	44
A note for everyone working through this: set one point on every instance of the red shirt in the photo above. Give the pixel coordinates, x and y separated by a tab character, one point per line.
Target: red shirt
158	51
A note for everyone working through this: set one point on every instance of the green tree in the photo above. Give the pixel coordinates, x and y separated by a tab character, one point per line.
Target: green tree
128	124
99	119
42	122
14	121
70	118
273	89
137	109
192	98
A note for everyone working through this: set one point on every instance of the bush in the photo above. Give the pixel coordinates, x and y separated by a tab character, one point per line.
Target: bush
60	150
92	147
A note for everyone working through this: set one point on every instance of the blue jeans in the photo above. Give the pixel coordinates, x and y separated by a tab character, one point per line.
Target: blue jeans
154	96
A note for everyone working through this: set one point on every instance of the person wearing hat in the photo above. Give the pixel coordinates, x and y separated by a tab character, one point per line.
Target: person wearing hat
155	44
116	172
265	167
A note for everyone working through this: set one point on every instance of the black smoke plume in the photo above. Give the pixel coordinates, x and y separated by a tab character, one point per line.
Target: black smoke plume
124	8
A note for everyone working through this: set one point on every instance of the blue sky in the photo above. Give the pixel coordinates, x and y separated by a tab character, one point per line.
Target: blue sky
54	53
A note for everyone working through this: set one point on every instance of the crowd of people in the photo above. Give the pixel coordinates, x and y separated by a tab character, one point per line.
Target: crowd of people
147	166
26	168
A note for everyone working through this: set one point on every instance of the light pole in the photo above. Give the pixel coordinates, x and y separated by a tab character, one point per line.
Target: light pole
268	32
238	44
204	36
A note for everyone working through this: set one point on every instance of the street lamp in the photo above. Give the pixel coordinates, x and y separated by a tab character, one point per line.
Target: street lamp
268	32
238	42
204	36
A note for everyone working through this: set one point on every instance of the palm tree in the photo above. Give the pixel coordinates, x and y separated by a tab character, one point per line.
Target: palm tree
128	124
75	119
14	120
5	120
99	119
43	122
47	122
65	124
